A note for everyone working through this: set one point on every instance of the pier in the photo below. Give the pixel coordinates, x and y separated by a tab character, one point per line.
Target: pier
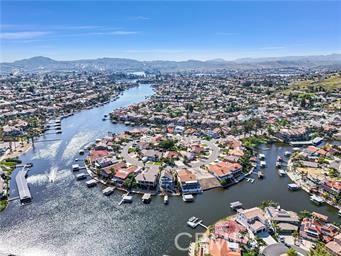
24	192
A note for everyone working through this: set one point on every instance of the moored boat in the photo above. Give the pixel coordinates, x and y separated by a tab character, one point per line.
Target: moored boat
75	167
260	175
236	205
165	199
146	198
91	183
188	198
316	199
287	153
293	187
81	176
262	164
281	172
108	191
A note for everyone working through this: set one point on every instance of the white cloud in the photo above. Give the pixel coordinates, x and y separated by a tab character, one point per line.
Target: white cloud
22	35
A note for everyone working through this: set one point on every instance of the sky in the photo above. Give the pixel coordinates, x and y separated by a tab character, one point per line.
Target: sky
168	30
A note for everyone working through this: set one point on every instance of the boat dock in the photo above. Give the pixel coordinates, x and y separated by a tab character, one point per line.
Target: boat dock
236	205
193	222
24	192
126	199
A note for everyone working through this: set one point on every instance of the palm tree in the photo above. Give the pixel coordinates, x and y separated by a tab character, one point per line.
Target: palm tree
291	252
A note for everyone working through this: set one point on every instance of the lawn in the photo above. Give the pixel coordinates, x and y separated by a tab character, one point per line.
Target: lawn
332	83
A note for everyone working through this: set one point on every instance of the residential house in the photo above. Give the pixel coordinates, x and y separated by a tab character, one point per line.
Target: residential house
253	219
188	182
226	171
167	181
148	178
334	247
287	221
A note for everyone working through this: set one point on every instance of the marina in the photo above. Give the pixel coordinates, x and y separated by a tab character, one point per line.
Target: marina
103	220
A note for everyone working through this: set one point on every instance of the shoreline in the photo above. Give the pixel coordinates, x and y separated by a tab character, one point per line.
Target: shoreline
290	174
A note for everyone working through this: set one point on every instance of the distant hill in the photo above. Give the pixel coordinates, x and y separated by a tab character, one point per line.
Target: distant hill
44	64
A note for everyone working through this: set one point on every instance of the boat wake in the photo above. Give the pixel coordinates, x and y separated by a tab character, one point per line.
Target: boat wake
53	176
48	152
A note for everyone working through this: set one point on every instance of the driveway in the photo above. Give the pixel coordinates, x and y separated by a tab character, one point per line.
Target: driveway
128	158
213	156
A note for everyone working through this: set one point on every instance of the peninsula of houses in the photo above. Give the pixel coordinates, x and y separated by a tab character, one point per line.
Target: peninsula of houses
270	230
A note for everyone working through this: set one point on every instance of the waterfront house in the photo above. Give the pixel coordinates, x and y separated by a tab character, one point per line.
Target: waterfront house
287	221
121	174
148	178
332	187
293	134
105	162
316	229
188	182
226	171
97	154
167	181
253	219
232	231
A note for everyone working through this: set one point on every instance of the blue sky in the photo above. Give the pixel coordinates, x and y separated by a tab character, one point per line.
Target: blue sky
172	30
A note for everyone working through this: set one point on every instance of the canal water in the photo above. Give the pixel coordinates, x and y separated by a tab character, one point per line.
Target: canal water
67	218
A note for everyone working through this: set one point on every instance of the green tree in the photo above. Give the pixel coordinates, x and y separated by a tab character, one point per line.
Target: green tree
291	252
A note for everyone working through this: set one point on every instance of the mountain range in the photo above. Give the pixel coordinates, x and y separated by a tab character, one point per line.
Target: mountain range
45	64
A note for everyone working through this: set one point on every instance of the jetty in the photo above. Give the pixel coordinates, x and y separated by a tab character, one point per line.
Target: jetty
23	189
126	199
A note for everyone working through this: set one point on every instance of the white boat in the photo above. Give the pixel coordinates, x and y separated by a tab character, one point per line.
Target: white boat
146	198
165	199
81	176
81	152
127	199
91	183
261	156
287	153
108	191
188	198
293	187
262	164
278	164
316	199
236	205
281	172
75	167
